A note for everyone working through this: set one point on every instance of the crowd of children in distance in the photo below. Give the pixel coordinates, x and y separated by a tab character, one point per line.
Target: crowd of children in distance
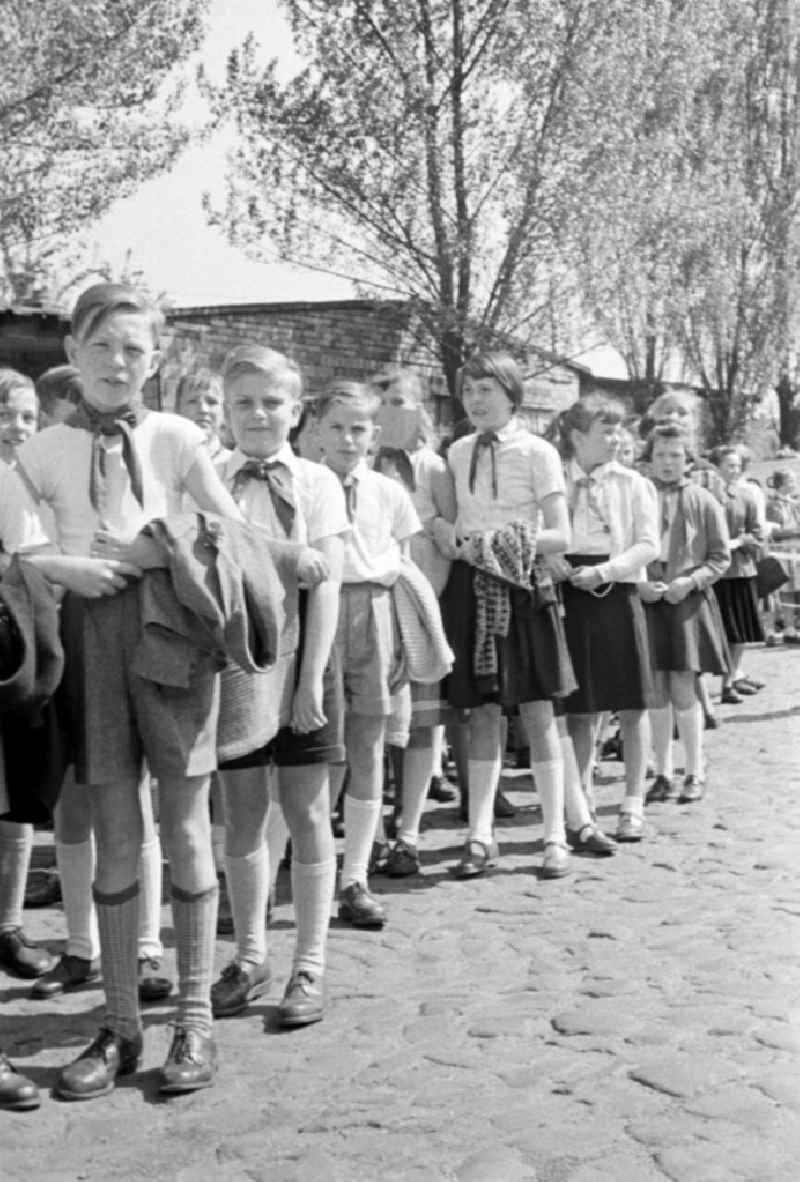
570	584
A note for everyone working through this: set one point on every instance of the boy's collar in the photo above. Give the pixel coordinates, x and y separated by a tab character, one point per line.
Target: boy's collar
355	473
284	455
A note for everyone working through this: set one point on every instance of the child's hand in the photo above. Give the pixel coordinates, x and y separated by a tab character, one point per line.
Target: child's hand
678	589
586	578
307	712
312	568
444	535
141	550
93	578
651	592
559	567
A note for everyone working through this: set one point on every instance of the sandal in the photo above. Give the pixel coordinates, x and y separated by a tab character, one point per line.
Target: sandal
476	858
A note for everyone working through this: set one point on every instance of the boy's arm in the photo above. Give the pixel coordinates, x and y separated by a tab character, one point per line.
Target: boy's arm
204	486
322	615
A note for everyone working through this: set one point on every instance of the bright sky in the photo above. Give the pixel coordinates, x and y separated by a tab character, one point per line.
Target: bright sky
165	229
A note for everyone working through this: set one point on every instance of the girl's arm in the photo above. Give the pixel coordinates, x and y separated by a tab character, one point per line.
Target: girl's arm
556	536
645	547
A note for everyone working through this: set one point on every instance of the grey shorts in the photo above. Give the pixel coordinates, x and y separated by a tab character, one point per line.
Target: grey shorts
118	719
370	654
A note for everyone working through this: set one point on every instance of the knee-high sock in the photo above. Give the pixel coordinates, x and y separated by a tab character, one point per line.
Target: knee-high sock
438	749
277	836
312	891
248	885
195	919
690	729
549	778
418	767
360	819
16	843
218	846
575	803
75	863
661	728
150	899
117	921
484	776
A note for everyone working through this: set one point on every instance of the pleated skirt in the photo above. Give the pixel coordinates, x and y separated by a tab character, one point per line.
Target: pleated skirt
738	605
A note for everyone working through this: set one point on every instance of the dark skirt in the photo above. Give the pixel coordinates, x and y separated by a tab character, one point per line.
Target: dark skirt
738	607
688	637
609	646
533	662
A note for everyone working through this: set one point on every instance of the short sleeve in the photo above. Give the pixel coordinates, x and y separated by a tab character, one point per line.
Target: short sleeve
405	522
326	512
546	469
187	441
20	524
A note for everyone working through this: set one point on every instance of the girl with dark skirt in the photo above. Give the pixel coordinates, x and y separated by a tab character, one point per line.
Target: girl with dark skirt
736	590
686	633
614	536
502	622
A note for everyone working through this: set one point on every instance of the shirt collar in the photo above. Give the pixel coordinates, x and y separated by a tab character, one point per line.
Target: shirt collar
284	455
510	428
352	477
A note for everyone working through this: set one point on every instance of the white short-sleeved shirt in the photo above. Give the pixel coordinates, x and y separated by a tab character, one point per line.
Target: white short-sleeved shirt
318	494
528	471
426	465
58	462
384	517
20	524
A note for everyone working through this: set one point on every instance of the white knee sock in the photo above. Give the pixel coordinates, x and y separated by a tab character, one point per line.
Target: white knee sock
312	891
76	868
484	776
437	750
417	770
661	728
360	820
277	836
248	879
150	899
549	778
690	729
16	843
575	805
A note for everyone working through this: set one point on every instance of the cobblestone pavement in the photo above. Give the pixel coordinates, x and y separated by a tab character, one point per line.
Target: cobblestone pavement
638	1020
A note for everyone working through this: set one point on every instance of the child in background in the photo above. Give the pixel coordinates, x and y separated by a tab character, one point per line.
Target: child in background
59	391
199	398
382	521
297	500
682	615
506	479
783	521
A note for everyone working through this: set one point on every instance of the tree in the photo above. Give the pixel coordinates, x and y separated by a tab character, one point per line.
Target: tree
89	108
422	148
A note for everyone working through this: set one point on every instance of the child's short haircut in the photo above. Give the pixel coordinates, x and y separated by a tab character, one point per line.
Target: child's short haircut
11	380
670	401
354	395
779	479
726	449
580	417
62	383
668	431
197	379
102	300
500	366
259	359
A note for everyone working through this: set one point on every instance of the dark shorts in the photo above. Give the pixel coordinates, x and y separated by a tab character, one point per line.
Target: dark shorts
290	749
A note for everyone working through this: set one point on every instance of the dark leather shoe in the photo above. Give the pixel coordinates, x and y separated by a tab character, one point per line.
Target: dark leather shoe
152	986
42	889
744	686
69	973
503	808
237	987
403	860
730	697
359	908
441	791
693	789
378	858
22	957
660	790
710	722
477	858
191	1063
591	840
753	682
17	1092
94	1071
303	1001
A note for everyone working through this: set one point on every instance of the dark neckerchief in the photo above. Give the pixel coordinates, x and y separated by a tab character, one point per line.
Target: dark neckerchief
486	439
278	479
99	423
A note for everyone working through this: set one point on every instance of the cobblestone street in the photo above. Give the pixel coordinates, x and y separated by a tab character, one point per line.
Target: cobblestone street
638	1020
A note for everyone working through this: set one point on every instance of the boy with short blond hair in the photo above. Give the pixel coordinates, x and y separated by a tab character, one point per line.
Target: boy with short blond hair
297	500
382	520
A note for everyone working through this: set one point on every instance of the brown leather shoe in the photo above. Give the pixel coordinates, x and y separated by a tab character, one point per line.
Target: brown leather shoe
152	985
191	1063
237	987
303	1001
17	1092
23	958
359	908
94	1071
69	973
